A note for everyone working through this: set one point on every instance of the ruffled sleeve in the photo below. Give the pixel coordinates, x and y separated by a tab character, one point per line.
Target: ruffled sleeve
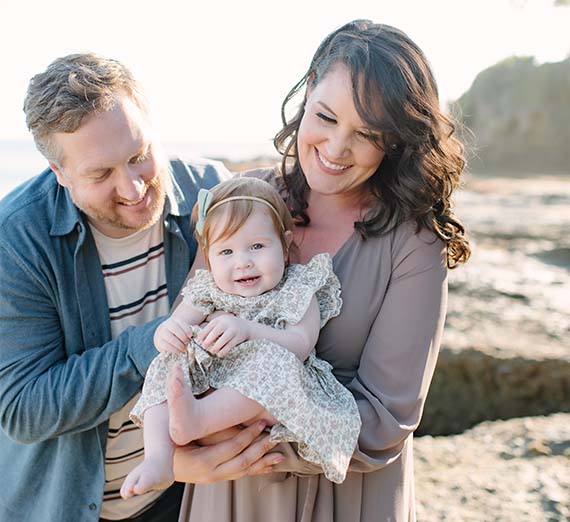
199	292
302	282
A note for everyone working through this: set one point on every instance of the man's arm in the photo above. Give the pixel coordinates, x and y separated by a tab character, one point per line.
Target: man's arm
46	389
239	452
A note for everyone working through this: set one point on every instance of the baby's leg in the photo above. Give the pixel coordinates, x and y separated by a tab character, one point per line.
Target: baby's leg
155	471
192	418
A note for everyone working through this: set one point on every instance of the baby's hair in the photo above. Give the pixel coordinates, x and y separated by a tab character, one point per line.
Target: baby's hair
235	213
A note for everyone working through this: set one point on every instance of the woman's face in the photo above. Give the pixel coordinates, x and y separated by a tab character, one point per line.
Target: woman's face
335	148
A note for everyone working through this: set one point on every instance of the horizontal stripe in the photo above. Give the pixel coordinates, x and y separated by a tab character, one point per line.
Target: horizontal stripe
138	301
134	258
134	312
134	267
127	424
112	461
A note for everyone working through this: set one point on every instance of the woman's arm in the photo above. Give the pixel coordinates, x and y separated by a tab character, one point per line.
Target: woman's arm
226	331
398	357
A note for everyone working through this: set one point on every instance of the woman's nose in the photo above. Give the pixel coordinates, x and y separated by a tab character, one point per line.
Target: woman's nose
337	147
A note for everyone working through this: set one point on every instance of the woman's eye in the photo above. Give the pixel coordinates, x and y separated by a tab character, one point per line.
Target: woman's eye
256	246
373	138
325	118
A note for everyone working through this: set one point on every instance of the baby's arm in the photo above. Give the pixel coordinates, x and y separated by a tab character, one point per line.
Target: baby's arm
298	338
174	334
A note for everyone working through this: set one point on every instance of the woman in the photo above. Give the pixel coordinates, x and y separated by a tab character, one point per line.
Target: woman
369	165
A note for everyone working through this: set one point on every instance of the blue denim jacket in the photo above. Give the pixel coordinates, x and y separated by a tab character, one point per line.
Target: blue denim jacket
61	376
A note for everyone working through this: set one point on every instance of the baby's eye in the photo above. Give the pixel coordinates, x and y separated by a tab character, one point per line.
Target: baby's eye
256	246
325	118
226	252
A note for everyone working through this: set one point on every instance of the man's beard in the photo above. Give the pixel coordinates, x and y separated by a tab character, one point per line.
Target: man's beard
111	216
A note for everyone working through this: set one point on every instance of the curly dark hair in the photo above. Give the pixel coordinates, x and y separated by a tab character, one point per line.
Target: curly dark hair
395	94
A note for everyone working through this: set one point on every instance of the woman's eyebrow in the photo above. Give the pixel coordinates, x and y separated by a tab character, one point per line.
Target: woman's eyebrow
323	104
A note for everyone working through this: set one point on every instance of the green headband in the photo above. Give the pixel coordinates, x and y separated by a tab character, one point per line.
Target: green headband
205	200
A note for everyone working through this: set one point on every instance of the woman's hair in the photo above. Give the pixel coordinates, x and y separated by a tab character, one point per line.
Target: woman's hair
395	94
72	88
233	214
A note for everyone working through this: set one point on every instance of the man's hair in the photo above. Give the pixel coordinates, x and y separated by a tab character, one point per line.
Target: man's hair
71	89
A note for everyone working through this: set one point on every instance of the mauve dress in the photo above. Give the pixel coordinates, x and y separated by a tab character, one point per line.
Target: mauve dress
383	347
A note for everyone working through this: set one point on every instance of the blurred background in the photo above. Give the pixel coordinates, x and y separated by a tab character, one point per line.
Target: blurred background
494	442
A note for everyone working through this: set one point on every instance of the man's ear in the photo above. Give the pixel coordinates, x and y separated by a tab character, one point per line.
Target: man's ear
58	174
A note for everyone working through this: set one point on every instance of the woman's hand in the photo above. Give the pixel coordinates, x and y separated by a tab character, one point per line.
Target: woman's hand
233	454
223	332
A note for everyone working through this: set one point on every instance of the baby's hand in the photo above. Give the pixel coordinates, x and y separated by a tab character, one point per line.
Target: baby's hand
172	336
223	333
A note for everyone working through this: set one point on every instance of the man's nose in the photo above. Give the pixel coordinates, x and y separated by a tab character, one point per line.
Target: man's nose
131	185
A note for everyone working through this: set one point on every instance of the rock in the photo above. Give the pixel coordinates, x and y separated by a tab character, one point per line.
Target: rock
506	345
518	113
474	385
503	471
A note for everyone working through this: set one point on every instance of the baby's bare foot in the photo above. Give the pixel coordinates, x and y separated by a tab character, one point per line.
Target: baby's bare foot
150	474
182	407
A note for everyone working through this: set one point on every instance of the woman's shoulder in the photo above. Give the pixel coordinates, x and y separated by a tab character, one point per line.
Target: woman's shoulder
422	245
269	174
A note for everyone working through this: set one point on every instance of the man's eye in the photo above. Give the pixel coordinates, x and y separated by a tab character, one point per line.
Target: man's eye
325	118
139	158
101	175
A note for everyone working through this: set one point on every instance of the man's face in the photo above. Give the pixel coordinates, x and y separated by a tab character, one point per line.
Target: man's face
114	170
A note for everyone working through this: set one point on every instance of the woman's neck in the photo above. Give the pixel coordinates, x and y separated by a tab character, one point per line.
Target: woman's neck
324	208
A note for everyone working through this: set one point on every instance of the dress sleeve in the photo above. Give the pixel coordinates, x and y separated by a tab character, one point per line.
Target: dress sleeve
199	292
303	281
398	358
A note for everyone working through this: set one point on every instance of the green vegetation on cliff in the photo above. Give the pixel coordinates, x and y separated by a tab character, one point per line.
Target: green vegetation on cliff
519	114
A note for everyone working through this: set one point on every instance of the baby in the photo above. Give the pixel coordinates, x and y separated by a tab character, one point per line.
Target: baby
255	355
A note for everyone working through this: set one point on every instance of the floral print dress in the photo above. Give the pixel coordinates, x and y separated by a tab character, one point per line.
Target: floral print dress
312	408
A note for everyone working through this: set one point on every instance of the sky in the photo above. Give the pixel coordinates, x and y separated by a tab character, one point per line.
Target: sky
218	71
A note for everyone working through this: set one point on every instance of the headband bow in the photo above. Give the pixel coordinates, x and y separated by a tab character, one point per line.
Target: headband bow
204	202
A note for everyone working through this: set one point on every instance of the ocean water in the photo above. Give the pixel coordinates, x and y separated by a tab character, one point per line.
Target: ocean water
19	160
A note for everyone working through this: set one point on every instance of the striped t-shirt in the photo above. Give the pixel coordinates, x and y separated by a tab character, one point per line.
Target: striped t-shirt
135	281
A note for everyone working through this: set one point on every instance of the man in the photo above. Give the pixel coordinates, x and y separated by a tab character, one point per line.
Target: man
93	253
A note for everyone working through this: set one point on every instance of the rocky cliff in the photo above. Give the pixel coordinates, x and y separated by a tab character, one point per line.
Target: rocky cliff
519	114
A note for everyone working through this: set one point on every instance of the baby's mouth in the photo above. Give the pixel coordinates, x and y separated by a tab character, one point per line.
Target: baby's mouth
247	280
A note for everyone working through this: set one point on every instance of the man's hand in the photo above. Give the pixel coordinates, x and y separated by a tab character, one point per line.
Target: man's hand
223	332
241	452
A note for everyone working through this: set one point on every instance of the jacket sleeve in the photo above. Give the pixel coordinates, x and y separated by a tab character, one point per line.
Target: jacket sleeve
398	358
44	391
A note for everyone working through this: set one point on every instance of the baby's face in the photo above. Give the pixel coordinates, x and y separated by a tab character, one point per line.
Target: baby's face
251	261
